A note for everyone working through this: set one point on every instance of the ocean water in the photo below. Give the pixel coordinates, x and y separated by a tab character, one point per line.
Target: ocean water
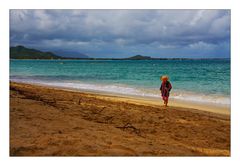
204	81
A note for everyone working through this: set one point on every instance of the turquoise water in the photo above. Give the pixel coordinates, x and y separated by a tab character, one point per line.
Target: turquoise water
193	80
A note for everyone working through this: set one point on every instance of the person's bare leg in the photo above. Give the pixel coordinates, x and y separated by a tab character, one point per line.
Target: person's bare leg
166	102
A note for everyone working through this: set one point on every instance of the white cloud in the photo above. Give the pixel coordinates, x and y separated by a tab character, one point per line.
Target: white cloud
202	45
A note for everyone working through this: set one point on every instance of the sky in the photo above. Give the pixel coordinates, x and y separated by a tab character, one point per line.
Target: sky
124	33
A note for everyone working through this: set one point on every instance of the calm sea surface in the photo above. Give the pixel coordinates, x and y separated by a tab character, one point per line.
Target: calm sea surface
206	81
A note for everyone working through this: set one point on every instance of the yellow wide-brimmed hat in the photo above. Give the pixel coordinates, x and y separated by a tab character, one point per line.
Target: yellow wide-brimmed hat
164	77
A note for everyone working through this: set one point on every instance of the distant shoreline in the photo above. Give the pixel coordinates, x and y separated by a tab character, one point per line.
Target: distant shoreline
127	59
21	52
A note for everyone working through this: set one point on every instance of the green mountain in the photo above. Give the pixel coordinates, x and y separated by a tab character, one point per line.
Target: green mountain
21	52
139	57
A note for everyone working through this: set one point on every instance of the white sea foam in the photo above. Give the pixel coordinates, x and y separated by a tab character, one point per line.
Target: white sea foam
202	98
127	90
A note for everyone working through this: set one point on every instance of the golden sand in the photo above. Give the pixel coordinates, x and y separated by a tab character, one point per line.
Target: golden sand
46	121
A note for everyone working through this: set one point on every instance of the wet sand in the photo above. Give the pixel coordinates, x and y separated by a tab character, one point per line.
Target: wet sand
46	121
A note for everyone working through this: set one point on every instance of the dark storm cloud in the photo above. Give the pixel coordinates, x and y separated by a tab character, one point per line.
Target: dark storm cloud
124	32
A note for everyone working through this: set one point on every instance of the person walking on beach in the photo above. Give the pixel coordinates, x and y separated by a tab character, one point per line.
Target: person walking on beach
165	88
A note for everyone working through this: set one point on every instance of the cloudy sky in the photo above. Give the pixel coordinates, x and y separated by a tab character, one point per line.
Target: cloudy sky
124	33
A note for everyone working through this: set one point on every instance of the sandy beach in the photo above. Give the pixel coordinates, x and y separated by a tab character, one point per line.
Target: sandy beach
47	121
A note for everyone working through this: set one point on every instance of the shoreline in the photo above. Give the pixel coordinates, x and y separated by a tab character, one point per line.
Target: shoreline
46	121
146	100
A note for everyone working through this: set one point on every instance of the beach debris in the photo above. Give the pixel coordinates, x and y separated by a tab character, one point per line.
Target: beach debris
129	126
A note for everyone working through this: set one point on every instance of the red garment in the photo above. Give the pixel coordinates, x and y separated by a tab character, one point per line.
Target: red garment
165	88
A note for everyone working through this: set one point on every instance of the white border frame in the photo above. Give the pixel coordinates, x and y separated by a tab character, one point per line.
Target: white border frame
121	4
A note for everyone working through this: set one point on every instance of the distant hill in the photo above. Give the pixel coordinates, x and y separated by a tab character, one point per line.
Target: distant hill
21	52
139	57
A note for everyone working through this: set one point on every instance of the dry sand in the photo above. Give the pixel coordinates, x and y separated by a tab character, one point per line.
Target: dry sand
46	121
